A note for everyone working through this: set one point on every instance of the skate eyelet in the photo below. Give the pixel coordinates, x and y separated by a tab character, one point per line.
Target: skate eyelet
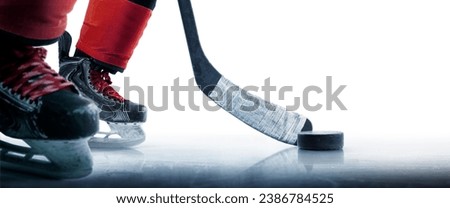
25	99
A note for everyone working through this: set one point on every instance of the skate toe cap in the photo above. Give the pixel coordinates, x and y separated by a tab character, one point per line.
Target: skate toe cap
137	112
65	115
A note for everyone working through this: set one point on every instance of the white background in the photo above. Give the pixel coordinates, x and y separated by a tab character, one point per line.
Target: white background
393	56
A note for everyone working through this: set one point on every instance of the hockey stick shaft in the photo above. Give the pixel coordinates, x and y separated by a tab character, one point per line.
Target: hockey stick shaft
262	115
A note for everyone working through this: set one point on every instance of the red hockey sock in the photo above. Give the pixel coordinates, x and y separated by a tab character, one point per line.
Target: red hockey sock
34	20
112	29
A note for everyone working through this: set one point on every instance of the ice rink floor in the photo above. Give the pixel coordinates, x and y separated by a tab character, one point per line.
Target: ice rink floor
256	161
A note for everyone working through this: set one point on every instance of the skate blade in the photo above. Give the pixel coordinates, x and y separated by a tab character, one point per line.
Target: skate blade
58	159
121	136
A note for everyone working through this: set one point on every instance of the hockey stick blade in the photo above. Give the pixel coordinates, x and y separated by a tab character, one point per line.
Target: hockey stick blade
268	118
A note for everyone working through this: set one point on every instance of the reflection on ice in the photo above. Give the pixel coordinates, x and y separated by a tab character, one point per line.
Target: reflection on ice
251	162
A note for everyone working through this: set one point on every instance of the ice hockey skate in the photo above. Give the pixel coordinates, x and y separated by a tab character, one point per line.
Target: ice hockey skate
122	116
47	112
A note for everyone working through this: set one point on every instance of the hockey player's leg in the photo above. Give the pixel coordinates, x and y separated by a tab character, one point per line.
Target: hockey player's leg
33	22
106	43
39	106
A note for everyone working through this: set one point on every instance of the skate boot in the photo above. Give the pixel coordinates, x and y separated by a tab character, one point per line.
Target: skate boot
44	110
123	116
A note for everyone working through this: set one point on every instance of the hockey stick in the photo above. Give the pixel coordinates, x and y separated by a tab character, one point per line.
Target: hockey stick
268	118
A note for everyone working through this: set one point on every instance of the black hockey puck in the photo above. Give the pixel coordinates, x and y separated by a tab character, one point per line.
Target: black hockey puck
320	140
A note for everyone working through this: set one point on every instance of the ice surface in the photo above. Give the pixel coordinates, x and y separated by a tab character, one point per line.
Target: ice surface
257	161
